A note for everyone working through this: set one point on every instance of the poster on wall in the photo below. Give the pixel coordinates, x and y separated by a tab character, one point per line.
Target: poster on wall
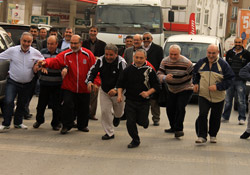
243	25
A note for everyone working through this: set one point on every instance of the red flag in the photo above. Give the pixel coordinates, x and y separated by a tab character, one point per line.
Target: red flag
191	27
89	1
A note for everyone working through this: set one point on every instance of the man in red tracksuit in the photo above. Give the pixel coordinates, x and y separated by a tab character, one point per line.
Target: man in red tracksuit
78	61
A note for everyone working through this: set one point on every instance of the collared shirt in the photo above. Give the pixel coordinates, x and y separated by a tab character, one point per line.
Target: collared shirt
147	48
65	44
21	64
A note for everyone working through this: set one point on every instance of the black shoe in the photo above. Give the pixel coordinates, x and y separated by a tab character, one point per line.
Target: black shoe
64	130
56	128
133	144
245	135
178	134
170	130
92	117
156	123
83	129
36	125
123	117
27	117
107	137
116	121
146	125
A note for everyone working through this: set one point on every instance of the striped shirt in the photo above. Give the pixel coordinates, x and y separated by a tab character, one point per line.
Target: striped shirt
181	71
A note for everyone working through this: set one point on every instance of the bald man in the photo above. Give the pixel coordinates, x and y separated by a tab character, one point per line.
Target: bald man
212	76
50	87
78	61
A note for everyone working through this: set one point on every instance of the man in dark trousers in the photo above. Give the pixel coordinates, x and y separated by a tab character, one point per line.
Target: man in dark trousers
154	56
78	60
139	81
50	88
97	47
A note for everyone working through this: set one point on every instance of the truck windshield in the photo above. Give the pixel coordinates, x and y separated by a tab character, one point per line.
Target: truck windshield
193	51
128	19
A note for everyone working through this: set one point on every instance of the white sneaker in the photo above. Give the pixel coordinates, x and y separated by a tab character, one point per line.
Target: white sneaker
241	122
200	140
213	140
22	126
4	128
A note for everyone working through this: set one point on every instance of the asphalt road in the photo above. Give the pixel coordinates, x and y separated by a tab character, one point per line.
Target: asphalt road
46	152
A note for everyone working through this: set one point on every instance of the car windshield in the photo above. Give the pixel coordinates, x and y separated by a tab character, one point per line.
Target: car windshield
193	51
128	19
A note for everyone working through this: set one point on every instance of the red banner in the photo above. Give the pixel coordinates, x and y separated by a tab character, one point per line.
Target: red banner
89	1
191	27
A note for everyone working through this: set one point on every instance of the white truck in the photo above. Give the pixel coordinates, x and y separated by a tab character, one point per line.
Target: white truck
116	19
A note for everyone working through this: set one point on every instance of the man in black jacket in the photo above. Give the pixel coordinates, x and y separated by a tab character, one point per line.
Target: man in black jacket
97	47
154	56
110	67
237	58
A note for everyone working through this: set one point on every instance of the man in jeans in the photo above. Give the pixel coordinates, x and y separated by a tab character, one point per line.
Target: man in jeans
22	67
237	58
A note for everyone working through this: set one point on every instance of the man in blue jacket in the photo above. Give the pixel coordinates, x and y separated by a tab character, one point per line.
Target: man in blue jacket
212	76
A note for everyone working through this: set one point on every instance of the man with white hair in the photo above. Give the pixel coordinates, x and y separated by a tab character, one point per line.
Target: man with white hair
176	71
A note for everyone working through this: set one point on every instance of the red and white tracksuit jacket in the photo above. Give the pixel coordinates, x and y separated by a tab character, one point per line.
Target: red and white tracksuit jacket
78	65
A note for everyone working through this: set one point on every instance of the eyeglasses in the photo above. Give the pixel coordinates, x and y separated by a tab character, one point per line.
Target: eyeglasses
146	38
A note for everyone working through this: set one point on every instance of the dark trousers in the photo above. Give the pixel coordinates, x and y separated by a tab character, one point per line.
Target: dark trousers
176	104
214	120
137	113
93	104
14	89
49	94
75	104
30	95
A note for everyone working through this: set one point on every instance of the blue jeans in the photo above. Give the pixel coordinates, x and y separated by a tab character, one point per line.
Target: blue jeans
239	88
14	89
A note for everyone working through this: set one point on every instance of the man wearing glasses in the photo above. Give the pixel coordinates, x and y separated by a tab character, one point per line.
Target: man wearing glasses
154	56
237	58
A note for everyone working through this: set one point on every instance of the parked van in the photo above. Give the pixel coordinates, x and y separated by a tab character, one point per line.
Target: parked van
5	43
194	47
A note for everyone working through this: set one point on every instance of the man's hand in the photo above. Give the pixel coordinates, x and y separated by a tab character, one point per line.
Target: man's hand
144	94
169	77
44	70
112	92
213	88
64	72
41	62
90	86
36	68
196	88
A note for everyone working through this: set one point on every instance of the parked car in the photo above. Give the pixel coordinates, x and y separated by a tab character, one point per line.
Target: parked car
5	43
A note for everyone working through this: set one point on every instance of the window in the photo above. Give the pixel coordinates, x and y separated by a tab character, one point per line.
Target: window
198	16
233	27
179	13
235	1
221	20
234	12
206	16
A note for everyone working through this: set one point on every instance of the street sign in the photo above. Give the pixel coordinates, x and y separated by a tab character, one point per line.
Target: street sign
40	20
80	22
